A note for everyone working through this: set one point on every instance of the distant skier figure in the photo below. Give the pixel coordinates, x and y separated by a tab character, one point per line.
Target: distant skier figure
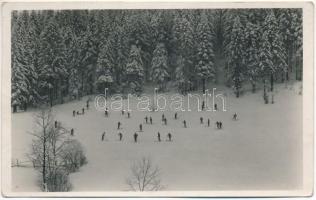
128	115
176	116
162	117
169	137
151	120
122	112
87	104
121	136
72	132
140	127
73	113
201	120
158	135
235	116
56	123
165	121
184	123
135	137
215	106
220	125
103	136
118	125
208	122
217	125
106	113
83	111
146	119
203	105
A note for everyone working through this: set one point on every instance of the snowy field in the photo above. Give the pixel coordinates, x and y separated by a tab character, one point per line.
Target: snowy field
261	150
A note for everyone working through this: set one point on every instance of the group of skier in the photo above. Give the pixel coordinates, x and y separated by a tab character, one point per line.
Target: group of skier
147	119
135	136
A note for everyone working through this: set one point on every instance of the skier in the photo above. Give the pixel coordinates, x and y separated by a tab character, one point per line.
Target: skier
235	116
151	120
163	117
56	124
122	112
140	127
176	116
208	122
83	111
135	137
159	140
169	137
184	123
215	107
128	115
118	125
106	113
121	136
217	125
103	136
72	132
201	120
87	104
203	105
73	113
165	121
220	125
146	119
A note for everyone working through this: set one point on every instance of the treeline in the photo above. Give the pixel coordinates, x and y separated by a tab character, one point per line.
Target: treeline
62	55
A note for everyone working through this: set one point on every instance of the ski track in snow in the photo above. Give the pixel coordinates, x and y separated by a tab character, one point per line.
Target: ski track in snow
261	150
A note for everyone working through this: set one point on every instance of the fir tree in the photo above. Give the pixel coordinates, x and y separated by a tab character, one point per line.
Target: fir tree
251	53
134	70
205	56
235	57
52	60
105	66
271	35
160	66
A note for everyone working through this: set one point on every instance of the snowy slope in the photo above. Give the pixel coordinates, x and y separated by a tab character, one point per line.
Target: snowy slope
261	150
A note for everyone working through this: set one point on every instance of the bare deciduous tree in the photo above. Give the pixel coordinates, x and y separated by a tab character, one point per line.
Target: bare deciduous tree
52	149
144	176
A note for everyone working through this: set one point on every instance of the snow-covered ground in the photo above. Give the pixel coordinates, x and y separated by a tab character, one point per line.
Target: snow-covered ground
261	150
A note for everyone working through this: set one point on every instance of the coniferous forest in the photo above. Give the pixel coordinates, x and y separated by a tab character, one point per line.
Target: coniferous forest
58	56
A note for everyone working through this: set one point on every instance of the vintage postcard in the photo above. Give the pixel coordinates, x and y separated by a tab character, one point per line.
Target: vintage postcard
157	99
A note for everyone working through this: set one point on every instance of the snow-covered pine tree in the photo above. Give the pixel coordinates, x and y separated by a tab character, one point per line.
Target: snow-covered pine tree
183	40
271	35
105	66
159	66
251	53
134	70
204	67
235	56
289	22
52	60
138	29
179	75
19	81
24	59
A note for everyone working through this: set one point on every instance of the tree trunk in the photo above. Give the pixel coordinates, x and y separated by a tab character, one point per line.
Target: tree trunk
25	106
51	97
271	82
15	108
253	87
44	160
203	82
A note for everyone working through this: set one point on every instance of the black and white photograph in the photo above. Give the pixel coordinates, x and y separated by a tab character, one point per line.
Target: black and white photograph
181	100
